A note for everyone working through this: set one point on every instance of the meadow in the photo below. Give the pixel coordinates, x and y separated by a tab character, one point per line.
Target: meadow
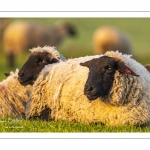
138	30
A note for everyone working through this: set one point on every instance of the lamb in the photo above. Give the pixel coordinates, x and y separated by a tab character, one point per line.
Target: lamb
107	38
59	94
20	36
13	96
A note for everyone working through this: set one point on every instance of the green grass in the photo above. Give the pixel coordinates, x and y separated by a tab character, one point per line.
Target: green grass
137	28
20	125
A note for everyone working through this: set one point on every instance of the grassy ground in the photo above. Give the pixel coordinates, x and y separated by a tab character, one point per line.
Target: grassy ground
19	125
81	45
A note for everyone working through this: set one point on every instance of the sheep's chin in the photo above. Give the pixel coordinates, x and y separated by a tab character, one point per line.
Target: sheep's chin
92	97
27	82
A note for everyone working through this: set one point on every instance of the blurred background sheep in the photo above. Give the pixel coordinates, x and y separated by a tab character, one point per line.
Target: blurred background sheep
3	23
107	38
136	29
19	36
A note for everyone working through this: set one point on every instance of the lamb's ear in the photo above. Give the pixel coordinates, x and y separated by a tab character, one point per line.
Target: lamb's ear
121	67
7	74
86	64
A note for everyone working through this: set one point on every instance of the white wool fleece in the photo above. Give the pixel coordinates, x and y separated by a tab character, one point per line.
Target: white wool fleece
60	87
13	96
52	50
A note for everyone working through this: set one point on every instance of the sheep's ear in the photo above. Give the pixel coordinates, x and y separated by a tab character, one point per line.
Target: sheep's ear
54	60
86	64
121	67
147	67
7	74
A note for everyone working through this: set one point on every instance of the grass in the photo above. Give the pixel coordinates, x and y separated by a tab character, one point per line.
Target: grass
81	45
20	125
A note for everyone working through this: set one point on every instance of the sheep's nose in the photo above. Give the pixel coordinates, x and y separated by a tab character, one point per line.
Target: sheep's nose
88	89
21	75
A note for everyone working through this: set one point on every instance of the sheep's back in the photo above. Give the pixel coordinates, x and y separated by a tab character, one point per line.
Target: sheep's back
107	38
15	37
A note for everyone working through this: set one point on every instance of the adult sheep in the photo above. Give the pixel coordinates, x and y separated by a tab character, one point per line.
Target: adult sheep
38	59
14	96
107	38
58	92
20	36
3	23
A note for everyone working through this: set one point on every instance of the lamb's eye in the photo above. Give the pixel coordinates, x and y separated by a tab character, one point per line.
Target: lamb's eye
109	68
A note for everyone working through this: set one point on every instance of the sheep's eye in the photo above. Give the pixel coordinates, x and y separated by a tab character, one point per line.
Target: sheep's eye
43	61
108	67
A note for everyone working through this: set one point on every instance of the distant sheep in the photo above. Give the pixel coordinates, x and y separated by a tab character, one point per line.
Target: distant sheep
20	36
13	96
58	92
107	38
3	23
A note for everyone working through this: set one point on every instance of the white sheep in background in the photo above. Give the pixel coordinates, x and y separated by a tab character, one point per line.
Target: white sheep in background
20	36
107	38
3	23
60	88
13	96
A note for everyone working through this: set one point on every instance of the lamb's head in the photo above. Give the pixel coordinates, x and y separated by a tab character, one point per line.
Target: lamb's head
101	75
38	59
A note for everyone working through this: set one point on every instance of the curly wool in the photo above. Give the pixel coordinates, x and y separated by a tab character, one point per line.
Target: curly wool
13	96
60	87
49	49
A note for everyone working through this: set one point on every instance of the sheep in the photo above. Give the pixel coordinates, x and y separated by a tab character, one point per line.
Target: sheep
3	23
20	36
125	95
107	38
45	72
58	92
38	59
13	96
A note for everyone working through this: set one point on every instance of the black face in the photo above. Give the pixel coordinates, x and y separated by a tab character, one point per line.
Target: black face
32	67
71	29
101	75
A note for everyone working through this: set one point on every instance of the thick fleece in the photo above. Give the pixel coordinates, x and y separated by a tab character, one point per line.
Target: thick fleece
60	88
13	96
